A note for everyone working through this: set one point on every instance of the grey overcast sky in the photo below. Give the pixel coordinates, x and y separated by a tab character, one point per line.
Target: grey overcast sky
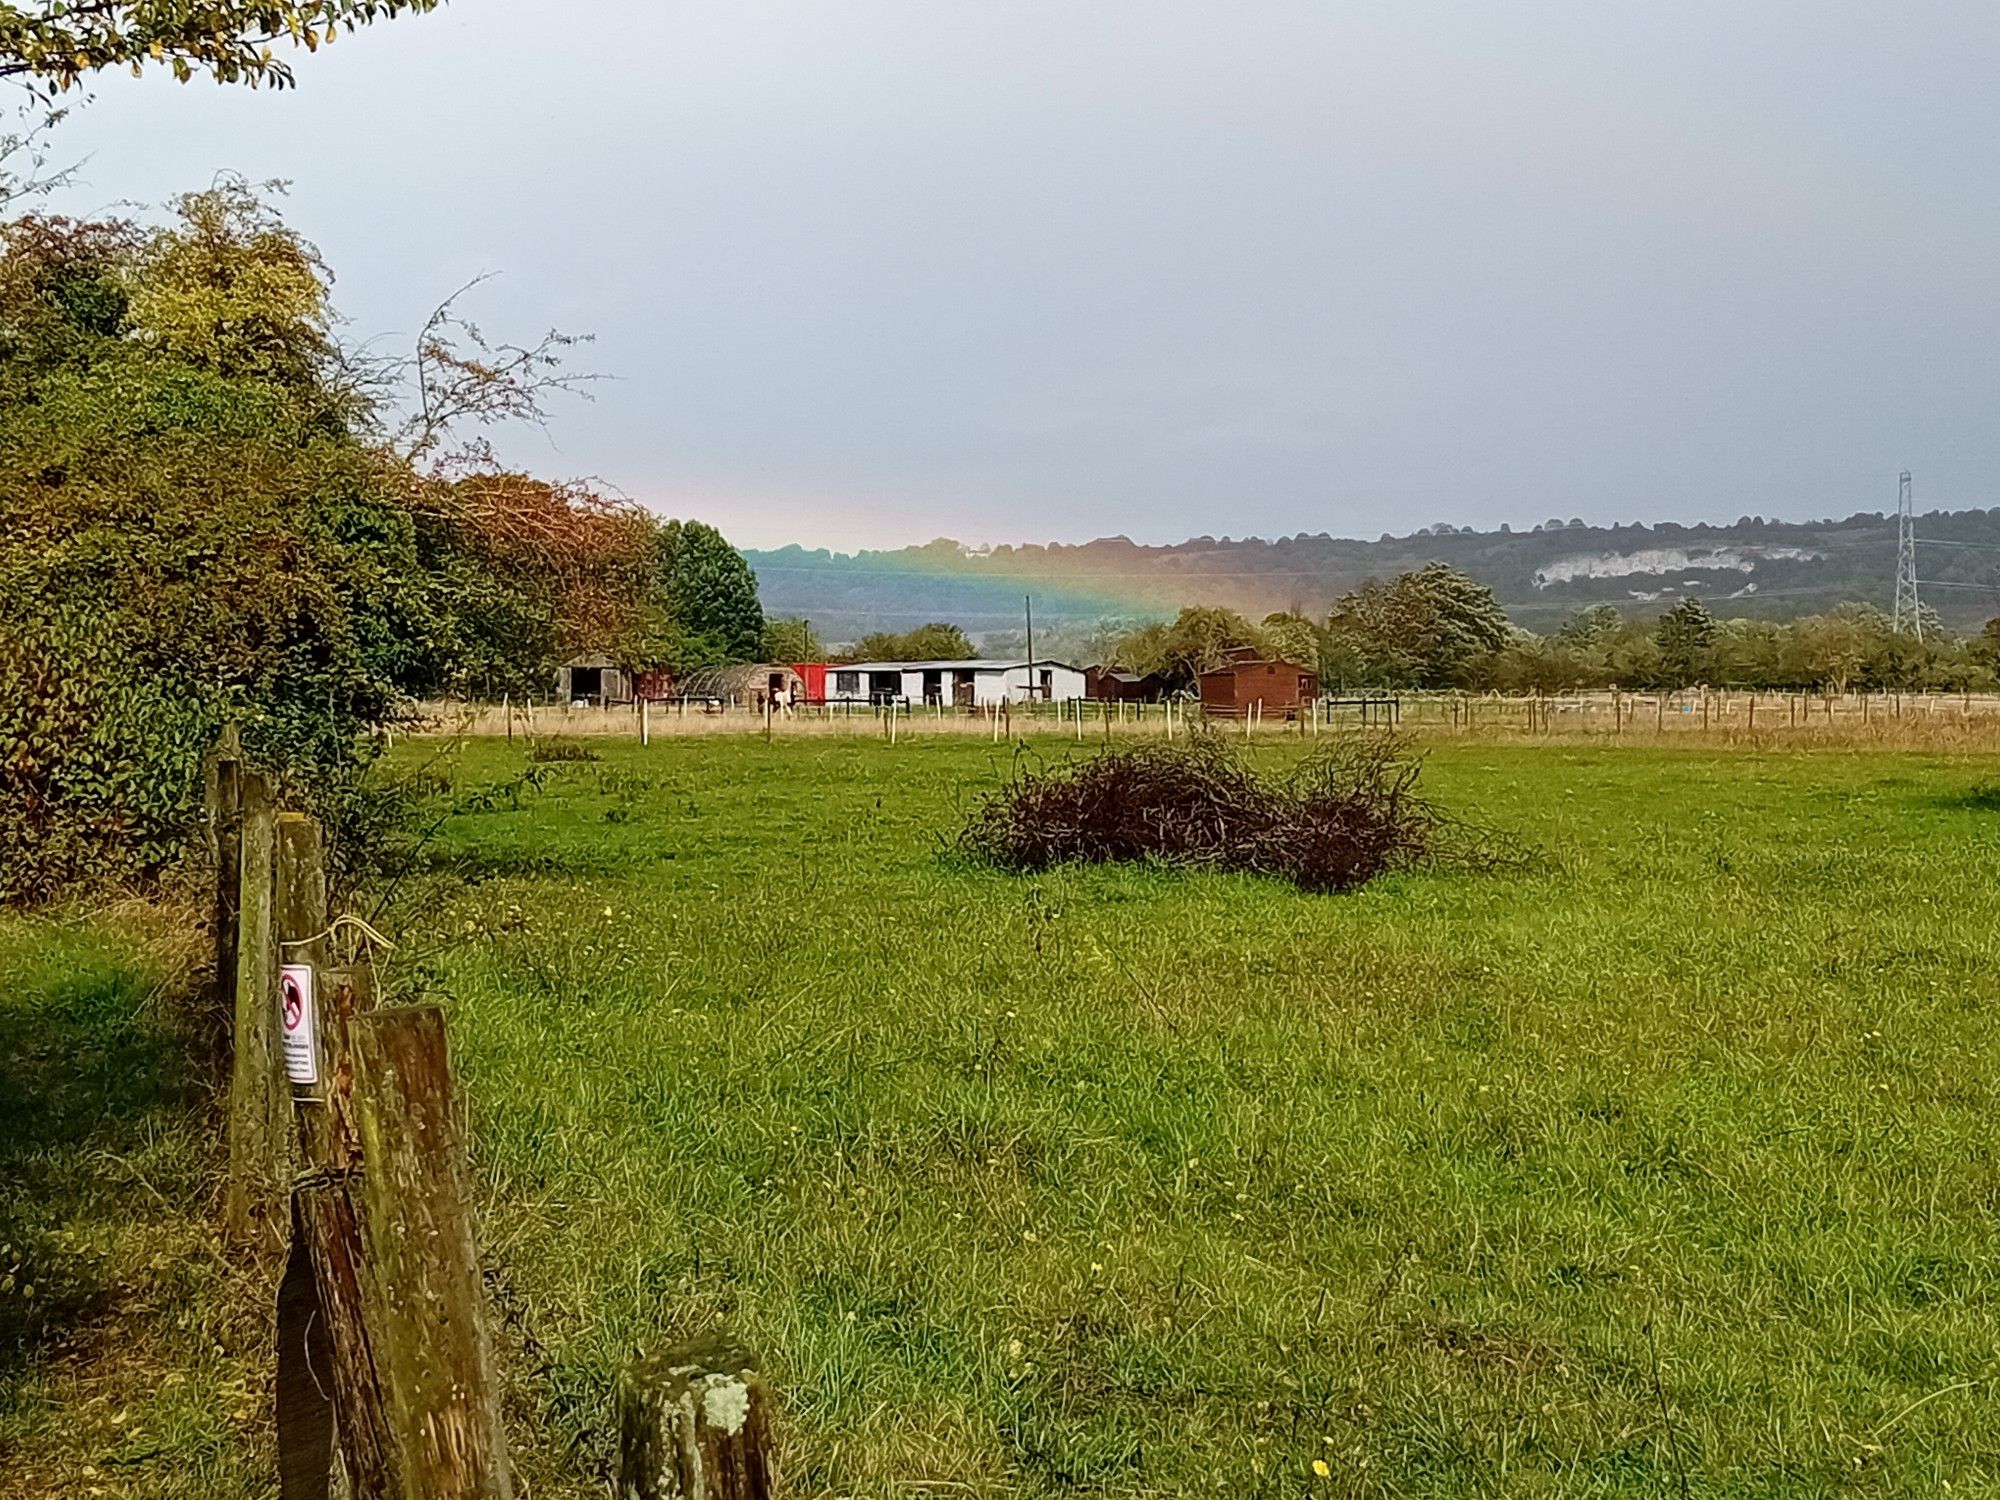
874	272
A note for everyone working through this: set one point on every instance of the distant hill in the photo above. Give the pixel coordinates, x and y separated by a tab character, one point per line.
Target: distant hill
1753	567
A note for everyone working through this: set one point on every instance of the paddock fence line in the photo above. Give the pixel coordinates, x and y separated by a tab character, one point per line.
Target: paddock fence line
347	1176
1732	716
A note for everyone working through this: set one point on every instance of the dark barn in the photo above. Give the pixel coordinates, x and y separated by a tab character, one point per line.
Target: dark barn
1269	687
1115	685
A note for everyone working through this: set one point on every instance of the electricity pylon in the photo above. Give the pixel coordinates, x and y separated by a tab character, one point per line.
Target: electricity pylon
1906	616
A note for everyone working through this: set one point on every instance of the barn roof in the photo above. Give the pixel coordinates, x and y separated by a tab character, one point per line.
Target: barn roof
1238	662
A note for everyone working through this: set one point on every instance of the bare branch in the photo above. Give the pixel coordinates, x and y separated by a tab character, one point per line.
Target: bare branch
24	156
459	378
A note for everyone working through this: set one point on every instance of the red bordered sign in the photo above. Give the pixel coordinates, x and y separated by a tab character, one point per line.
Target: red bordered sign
298	1024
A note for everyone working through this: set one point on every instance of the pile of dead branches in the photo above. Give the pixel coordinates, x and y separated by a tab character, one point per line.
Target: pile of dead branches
1347	813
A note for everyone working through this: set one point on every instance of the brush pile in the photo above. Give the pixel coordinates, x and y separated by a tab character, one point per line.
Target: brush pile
1344	815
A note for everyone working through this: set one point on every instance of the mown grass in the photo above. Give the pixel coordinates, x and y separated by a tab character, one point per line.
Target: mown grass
1665	1164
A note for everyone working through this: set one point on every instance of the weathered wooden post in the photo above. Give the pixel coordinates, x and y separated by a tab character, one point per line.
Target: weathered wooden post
332	1364
693	1425
225	833
259	1106
420	1267
304	1385
645	721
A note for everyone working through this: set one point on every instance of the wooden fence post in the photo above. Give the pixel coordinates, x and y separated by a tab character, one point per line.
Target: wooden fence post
420	1266
339	1353
225	831
304	1375
259	1104
693	1425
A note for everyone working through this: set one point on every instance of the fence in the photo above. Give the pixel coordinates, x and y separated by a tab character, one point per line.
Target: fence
1731	715
347	1169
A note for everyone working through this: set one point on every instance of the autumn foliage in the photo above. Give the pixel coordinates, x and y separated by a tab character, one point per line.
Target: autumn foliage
209	517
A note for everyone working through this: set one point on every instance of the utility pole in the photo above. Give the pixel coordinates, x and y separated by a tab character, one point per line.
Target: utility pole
1906	616
1028	606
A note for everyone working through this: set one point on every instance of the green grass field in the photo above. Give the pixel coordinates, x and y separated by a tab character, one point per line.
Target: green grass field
1668	1164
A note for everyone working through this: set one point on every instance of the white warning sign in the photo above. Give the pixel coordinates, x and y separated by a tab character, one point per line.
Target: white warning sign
295	1011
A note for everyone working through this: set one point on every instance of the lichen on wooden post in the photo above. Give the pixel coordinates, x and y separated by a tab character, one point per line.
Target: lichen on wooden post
329	1225
693	1424
256	1206
421	1286
225	834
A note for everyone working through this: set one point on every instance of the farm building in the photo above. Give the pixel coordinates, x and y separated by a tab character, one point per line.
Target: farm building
1251	682
746	684
594	679
1116	685
957	684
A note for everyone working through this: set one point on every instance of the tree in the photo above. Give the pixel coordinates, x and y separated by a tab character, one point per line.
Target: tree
524	573
937	641
787	638
710	595
1685	635
1985	647
1291	638
195	529
207	519
1199	640
1751	654
51	46
1594	627
1430	628
1144	649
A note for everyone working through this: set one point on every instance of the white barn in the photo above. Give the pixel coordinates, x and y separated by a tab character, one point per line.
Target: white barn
955	684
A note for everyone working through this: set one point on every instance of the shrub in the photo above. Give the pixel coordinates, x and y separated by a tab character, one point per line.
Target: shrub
1347	813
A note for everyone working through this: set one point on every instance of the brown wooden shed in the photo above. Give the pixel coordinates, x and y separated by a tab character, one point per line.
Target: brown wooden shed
1271	687
1115	685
